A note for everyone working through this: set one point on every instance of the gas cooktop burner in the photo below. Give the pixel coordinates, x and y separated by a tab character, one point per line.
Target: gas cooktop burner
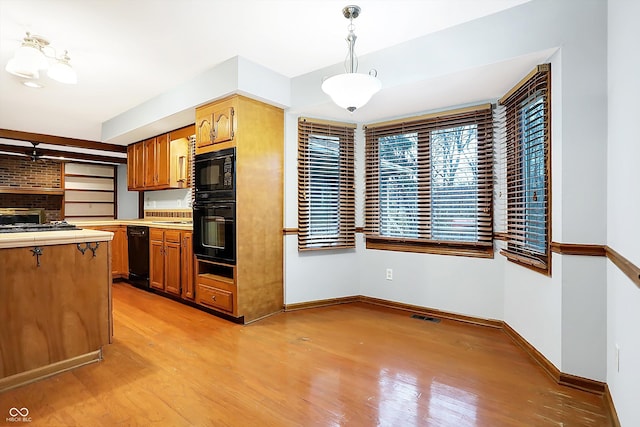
53	226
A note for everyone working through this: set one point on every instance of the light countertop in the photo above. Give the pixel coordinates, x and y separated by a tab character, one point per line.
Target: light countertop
178	225
46	238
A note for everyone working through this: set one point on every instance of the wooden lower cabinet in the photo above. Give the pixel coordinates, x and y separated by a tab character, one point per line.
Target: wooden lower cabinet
156	259
216	292
119	250
187	265
171	261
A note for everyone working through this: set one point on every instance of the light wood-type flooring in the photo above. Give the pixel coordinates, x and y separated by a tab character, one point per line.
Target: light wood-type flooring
351	364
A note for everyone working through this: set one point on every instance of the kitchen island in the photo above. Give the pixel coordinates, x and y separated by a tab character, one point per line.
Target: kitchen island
55	302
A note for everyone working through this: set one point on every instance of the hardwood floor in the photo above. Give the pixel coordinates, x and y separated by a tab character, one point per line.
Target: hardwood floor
351	364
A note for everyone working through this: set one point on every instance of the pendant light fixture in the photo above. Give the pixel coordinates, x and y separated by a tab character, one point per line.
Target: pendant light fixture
351	90
33	55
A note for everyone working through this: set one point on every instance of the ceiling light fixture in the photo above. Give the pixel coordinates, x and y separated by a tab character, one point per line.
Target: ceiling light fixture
351	90
33	55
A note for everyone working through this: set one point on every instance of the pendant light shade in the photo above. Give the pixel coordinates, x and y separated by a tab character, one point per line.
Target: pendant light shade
351	90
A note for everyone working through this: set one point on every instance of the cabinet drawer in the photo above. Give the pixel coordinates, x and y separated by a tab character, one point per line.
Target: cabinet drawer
214	297
156	234
172	236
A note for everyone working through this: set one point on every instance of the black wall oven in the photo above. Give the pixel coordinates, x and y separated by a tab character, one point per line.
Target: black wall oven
214	231
214	208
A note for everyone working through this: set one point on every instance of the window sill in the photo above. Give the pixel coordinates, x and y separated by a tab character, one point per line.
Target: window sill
438	248
530	263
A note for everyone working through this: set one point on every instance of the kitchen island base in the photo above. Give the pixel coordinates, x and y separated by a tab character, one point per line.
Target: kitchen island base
55	303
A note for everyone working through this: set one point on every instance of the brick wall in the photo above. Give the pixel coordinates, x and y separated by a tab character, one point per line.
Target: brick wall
21	172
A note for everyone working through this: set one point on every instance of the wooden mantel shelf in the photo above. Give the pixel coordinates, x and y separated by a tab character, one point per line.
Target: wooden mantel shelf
31	190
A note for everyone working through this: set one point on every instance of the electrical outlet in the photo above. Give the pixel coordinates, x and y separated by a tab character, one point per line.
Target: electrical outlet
617	357
389	274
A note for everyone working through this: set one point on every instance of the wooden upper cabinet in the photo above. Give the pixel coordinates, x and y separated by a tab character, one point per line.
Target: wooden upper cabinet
149	150
216	123
139	162
204	126
160	163
135	167
131	167
223	126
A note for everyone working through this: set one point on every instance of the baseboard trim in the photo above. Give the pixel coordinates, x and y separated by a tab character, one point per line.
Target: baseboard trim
43	372
533	353
431	312
321	303
613	414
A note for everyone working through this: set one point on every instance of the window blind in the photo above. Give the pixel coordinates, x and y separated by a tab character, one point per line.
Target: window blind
429	179
326	199
527	118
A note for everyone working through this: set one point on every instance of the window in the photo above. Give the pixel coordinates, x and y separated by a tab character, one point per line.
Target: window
429	183
326	212
527	110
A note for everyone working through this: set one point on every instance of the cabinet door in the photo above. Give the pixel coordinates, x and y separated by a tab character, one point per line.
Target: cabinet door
149	162
204	126
131	167
223	124
172	267
123	250
187	266
162	161
156	264
138	169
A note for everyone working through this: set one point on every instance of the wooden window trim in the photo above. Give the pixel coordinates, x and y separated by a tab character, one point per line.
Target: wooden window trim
315	164
541	263
480	249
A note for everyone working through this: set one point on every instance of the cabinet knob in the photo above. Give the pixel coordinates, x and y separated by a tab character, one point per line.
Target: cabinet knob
213	298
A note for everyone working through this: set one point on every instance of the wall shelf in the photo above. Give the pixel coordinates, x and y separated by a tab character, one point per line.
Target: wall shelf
31	190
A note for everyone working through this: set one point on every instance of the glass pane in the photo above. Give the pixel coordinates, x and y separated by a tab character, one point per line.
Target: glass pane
399	185
213	232
324	187
533	171
454	184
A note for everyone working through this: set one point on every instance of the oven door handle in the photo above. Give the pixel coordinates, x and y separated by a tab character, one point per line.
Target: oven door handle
202	207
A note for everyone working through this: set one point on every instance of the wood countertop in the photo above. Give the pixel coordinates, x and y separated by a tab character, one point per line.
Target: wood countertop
47	238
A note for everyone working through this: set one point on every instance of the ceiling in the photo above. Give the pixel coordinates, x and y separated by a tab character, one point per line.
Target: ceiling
127	52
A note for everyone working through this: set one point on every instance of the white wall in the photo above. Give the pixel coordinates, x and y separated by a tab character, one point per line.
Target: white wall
168	199
623	203
127	200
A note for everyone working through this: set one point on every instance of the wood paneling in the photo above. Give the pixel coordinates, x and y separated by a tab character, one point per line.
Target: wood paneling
59	140
350	364
52	312
64	154
259	196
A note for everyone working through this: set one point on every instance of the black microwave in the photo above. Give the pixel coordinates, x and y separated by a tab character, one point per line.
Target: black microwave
215	176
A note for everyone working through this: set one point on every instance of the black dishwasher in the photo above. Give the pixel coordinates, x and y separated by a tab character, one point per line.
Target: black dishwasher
138	238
